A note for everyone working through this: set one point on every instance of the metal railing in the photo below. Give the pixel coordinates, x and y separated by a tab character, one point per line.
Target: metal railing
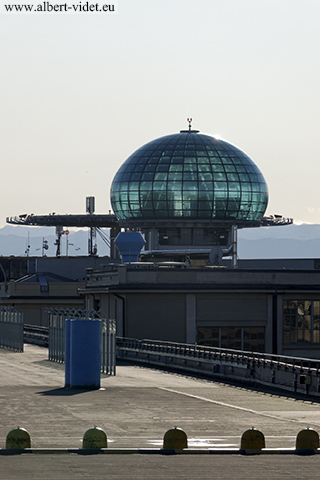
11	328
290	373
216	353
36	335
57	337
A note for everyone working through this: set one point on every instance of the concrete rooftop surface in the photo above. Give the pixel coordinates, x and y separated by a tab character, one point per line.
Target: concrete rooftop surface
135	408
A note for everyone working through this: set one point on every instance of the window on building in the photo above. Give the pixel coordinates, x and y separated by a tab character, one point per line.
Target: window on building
301	320
236	338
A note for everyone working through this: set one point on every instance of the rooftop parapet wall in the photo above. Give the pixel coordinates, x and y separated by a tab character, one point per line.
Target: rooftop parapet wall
204	277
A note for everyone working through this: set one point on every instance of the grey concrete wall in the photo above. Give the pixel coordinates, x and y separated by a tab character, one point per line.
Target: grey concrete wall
230	309
156	316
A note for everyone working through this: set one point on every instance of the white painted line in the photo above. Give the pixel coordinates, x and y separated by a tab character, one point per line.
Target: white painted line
223	404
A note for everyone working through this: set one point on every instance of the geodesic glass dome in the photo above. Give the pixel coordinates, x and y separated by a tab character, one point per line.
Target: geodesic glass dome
189	175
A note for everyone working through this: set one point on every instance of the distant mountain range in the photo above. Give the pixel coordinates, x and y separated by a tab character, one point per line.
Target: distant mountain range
292	241
14	240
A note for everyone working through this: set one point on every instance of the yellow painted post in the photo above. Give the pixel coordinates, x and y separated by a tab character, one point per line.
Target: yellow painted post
252	441
175	438
307	439
95	438
18	438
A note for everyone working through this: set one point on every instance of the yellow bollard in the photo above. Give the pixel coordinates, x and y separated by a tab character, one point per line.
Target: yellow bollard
18	438
307	439
175	439
95	438
252	440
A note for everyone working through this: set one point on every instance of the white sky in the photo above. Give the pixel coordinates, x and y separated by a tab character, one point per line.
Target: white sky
80	93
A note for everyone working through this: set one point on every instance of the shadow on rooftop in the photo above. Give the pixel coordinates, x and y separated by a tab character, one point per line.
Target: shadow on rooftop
65	392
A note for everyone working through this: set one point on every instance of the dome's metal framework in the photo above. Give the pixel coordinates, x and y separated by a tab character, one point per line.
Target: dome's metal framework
189	176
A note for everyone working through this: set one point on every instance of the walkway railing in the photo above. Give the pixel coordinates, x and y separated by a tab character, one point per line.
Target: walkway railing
11	329
56	342
289	373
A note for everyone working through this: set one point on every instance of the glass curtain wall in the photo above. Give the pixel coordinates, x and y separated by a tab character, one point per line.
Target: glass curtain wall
250	339
301	321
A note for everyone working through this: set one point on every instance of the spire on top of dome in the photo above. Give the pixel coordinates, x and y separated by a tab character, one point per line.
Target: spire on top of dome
189	120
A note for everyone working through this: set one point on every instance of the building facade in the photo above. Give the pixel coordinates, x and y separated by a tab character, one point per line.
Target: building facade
274	311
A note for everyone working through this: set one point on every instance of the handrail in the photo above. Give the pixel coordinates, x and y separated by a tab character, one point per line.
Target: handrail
229	355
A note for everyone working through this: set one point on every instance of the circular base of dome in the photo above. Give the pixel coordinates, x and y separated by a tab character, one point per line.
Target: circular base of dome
179	222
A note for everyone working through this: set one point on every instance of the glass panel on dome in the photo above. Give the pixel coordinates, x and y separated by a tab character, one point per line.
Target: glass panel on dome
201	153
175	186
176	161
208	195
133	186
190	168
175	168
162	168
217	169
148	205
123	196
115	187
204	168
159	185
188	176
178	151
205	207
256	197
226	161
172	176
205	177
135	177
233	187
145	186
233	177
220	177
164	159
230	168
153	160
203	160
207	186
189	186
133	196
160	176
150	168
160	205
147	176
125	177
220	188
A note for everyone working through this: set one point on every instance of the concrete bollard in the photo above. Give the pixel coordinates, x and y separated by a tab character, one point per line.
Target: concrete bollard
95	438
307	439
18	438
252	441
175	439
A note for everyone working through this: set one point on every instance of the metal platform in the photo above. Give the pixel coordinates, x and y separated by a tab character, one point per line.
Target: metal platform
103	221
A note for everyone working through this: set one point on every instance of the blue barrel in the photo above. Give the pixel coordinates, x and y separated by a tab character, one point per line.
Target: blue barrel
85	357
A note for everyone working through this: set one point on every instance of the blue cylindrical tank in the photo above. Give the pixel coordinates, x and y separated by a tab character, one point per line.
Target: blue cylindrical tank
85	357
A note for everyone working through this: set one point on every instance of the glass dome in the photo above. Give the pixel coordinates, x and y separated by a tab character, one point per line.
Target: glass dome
190	176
